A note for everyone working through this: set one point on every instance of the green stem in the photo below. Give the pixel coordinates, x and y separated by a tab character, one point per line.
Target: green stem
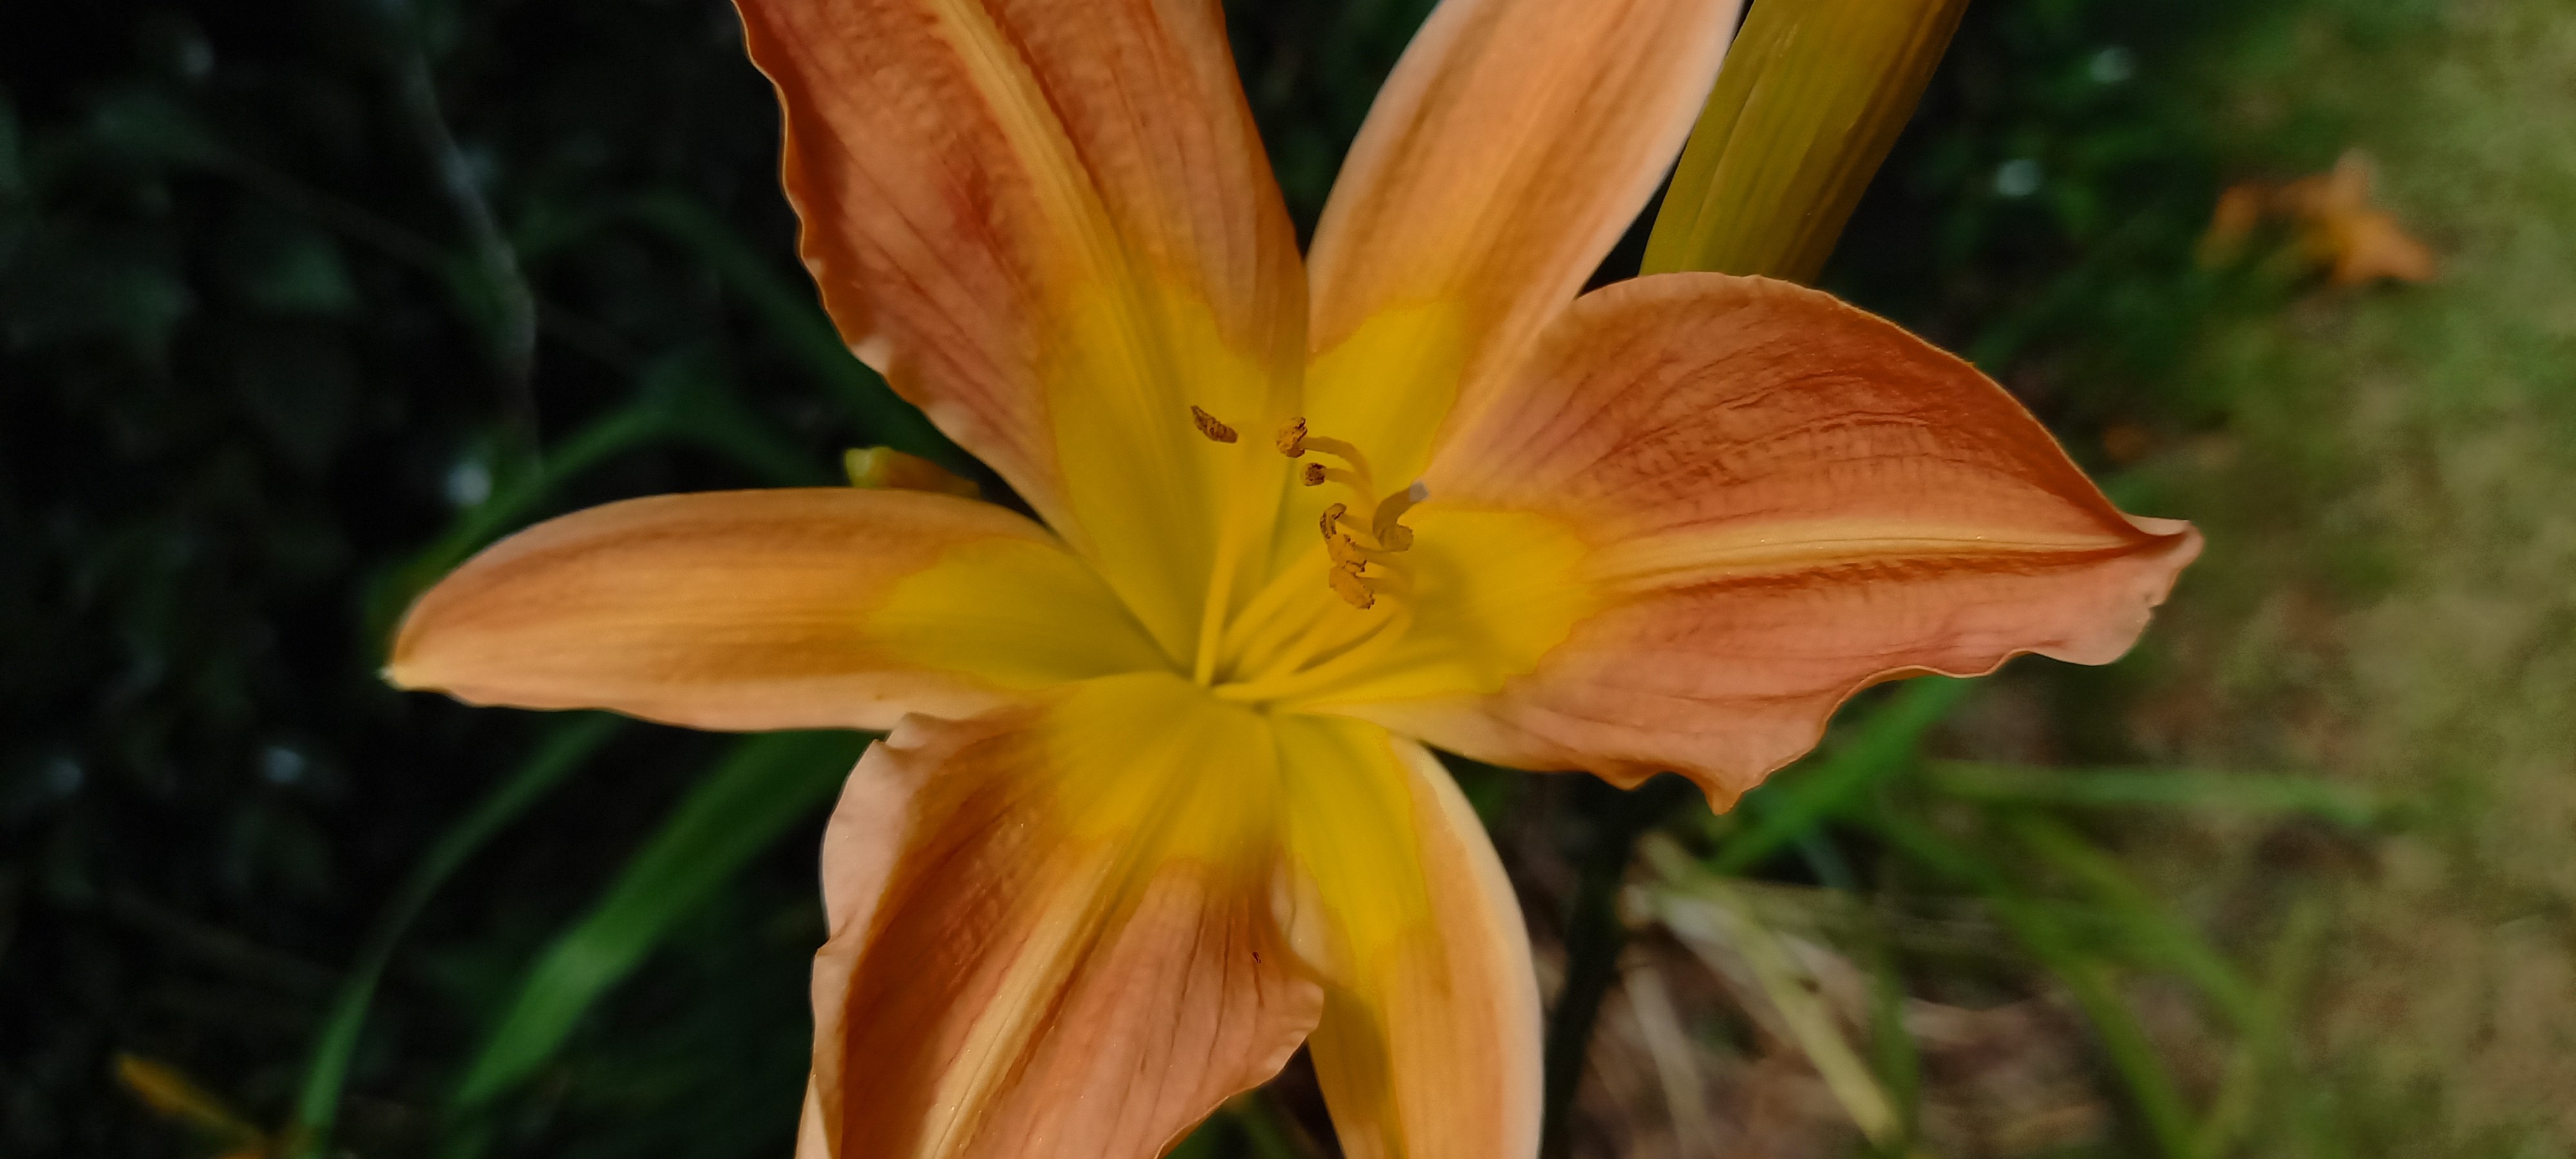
1594	937
319	1106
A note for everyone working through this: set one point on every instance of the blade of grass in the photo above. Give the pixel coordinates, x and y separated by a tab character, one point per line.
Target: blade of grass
2169	788
1668	1046
1880	746
765	785
2148	925
2153	1092
632	425
558	755
1711	918
796	319
676	400
2284	973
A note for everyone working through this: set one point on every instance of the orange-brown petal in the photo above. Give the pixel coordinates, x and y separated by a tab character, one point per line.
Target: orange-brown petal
1050	223
799	608
1052	932
1513	144
1429	1043
1785	500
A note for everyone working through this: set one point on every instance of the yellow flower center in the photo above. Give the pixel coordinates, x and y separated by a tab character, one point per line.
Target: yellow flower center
1286	641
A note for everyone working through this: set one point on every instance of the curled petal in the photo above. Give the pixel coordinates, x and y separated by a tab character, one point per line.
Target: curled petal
801	608
1512	145
1053	931
1050	223
1783	500
1429	1043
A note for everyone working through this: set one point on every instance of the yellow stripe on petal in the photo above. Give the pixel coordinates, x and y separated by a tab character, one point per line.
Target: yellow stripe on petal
1507	152
1050	223
1053	931
1788	500
1429	1043
807	608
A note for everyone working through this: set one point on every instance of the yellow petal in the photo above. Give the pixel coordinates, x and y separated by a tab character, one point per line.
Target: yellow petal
1053	931
1510	148
1050	223
1780	500
822	608
1429	1044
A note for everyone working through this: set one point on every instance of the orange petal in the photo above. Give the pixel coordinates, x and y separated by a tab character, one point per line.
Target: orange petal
1050	223
1429	1045
1786	500
1511	147
1052	931
821	608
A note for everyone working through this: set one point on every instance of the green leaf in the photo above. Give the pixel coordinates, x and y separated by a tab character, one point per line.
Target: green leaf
794	318
2170	788
1810	100
766	785
2153	1091
563	751
1879	747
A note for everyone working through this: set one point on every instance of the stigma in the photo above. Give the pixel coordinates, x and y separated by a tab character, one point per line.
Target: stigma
1353	546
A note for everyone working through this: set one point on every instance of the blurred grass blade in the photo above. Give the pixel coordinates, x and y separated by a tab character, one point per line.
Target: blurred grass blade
2152	1089
1811	98
680	398
173	1095
513	499
1880	746
2163	938
2174	788
765	785
558	755
2236	1109
1668	1046
795	318
1706	913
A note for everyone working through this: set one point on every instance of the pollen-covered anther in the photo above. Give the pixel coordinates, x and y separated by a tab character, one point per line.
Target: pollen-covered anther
1208	425
1331	521
1313	475
1354	591
1291	439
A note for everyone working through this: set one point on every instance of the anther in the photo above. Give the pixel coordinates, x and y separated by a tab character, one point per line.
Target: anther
1313	475
1332	519
1214	430
1291	440
1353	590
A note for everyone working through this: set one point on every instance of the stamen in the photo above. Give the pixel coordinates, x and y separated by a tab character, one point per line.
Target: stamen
1291	440
1216	432
1353	590
1339	450
1332	519
1317	474
1393	508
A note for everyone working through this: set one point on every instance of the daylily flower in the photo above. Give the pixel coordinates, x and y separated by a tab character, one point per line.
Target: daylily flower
1156	806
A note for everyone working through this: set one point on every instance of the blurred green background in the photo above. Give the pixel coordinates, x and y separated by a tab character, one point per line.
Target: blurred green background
301	303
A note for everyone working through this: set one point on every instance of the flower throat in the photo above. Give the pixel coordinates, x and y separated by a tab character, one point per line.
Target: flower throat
1280	653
